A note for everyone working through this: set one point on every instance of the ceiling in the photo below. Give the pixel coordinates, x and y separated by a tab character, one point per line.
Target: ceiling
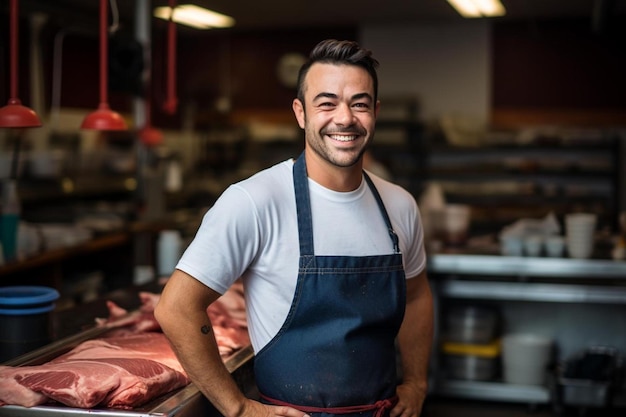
281	14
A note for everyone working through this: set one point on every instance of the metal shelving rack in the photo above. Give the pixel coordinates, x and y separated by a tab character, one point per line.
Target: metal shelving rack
521	280
531	179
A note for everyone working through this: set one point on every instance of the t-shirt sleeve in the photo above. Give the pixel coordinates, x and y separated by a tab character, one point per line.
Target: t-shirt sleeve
225	243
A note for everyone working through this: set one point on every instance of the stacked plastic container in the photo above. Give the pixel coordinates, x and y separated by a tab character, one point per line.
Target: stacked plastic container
25	319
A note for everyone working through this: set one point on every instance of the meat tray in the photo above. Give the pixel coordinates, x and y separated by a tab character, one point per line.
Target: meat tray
185	402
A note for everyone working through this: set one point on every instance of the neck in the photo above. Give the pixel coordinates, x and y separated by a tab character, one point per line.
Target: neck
341	179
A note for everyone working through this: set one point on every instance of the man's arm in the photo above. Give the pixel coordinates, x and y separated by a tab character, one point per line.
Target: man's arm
181	313
415	342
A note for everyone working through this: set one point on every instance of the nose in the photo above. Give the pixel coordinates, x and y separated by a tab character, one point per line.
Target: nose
344	115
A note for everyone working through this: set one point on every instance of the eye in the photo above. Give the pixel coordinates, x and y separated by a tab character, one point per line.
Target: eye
361	106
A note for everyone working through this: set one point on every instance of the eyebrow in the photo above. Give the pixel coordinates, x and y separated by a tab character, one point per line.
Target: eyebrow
334	96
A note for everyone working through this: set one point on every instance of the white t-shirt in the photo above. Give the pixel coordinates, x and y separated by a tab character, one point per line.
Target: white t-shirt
252	232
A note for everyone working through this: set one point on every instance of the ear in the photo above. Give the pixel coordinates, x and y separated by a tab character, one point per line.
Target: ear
377	108
298	110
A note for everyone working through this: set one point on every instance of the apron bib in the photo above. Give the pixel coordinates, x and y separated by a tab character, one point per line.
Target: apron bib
335	353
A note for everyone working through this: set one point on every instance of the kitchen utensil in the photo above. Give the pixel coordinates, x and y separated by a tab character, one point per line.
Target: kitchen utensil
472	362
471	324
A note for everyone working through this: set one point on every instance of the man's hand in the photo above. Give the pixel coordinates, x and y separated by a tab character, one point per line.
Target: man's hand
410	401
256	409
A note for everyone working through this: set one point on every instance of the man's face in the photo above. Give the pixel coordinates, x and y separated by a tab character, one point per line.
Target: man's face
339	112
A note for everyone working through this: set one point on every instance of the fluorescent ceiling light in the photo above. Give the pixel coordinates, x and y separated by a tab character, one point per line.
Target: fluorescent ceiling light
194	16
478	8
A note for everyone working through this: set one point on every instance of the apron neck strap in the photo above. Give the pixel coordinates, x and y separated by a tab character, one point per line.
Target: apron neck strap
303	207
383	211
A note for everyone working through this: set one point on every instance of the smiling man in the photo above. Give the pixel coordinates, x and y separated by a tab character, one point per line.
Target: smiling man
337	108
332	261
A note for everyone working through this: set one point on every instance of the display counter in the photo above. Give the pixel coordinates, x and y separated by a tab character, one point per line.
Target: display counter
76	325
574	302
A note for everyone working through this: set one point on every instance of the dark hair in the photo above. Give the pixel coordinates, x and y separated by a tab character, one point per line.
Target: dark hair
332	51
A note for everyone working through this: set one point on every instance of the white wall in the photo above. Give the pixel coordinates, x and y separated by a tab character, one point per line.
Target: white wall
446	66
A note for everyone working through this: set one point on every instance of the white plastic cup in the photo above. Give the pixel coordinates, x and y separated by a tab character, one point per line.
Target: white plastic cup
525	358
580	234
555	246
169	248
511	245
533	245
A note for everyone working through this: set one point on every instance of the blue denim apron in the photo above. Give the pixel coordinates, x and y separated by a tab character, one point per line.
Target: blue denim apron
335	352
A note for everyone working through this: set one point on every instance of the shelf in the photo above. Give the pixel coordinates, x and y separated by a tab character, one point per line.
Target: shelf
494	391
596	145
36	191
495	265
525	291
561	175
58	255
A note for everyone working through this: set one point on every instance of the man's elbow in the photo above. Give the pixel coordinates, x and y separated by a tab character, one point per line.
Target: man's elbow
162	315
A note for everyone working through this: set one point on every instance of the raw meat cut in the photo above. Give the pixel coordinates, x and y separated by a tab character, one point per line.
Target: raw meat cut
234	303
11	392
227	315
230	340
116	372
152	345
110	382
146	380
130	323
82	384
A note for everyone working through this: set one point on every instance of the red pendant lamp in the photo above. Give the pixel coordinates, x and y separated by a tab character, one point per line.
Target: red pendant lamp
14	114
149	135
104	118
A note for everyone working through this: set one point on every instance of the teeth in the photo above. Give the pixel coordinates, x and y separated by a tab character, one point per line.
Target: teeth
343	138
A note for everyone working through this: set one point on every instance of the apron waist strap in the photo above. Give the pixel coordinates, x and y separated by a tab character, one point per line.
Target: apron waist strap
380	407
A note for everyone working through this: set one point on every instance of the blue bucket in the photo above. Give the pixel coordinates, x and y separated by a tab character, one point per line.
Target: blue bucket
25	319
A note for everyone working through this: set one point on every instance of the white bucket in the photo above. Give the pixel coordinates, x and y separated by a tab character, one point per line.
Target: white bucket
525	358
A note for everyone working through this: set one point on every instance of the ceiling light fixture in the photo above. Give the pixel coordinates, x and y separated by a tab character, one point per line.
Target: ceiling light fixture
195	16
478	8
104	118
14	114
